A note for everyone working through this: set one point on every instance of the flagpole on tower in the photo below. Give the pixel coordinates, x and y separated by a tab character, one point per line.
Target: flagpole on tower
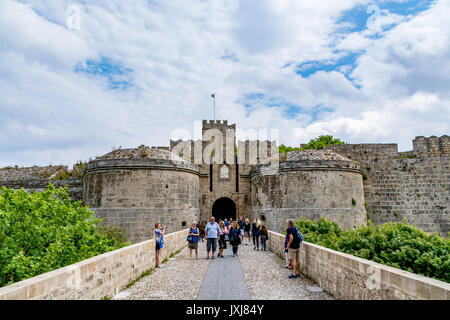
213	95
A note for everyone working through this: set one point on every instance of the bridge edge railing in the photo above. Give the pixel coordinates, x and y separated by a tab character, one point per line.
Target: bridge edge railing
353	278
99	277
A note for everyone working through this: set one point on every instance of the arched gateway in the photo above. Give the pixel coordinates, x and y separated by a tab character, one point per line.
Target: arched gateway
224	208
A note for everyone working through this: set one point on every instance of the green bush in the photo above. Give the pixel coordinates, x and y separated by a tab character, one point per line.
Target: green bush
397	245
44	231
322	141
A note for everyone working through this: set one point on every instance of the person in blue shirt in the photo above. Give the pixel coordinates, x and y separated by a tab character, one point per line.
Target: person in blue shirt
211	233
194	233
293	247
159	236
241	224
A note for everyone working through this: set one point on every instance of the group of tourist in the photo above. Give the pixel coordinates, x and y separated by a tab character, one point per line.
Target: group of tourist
235	232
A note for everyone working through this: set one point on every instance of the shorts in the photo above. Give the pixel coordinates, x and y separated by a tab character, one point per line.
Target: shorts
211	243
159	246
246	234
193	245
294	254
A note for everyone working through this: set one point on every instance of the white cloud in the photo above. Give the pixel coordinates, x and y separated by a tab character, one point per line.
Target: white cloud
175	49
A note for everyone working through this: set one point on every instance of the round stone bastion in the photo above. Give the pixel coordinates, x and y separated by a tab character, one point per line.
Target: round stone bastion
135	188
308	184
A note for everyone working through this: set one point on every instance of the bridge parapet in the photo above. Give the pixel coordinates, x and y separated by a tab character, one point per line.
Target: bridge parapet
99	277
349	277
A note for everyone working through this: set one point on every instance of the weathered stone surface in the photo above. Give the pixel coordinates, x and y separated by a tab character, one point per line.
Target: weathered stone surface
134	194
412	185
309	189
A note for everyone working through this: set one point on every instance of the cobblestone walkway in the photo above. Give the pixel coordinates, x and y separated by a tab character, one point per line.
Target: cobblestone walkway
267	278
253	275
179	278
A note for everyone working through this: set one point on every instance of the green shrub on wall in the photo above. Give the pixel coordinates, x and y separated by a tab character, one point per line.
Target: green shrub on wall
397	245
44	231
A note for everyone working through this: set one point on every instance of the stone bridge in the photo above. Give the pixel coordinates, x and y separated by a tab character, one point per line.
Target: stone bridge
130	273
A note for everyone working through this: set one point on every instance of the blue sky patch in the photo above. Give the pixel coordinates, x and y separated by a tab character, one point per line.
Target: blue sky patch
117	75
252	101
344	65
355	19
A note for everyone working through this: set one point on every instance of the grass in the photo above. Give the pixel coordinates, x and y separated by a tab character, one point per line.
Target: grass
143	274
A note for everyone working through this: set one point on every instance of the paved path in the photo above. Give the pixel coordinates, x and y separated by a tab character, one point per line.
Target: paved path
251	275
224	279
268	279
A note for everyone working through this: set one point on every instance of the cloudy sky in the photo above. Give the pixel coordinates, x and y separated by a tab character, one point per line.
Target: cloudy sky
79	78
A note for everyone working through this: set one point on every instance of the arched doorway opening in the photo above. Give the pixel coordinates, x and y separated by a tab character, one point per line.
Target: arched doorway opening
224	208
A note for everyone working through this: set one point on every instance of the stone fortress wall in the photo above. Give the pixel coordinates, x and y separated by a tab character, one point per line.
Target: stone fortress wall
414	185
135	193
213	185
36	179
135	188
309	184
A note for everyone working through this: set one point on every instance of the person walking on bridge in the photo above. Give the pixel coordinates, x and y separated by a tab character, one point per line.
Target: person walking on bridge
212	231
256	228
235	238
247	228
241	224
193	235
159	236
293	247
222	242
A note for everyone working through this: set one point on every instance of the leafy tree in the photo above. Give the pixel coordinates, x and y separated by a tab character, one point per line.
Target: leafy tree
322	141
285	149
44	231
397	245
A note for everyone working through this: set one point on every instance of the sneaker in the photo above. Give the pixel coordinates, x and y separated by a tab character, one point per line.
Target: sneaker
221	256
293	277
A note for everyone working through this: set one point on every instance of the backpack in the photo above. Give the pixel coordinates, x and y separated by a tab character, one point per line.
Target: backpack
299	235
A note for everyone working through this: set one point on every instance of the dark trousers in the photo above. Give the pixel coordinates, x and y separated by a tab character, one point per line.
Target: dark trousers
235	249
256	240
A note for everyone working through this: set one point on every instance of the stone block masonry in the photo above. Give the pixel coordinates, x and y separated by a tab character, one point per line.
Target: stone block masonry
413	185
352	278
96	278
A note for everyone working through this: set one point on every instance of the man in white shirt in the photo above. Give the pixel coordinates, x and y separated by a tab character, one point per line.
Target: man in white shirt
211	233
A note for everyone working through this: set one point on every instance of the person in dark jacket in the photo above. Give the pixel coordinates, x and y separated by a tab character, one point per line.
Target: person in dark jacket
235	239
264	237
247	228
256	228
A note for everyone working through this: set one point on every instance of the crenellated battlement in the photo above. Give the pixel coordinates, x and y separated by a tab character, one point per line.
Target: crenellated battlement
222	125
432	146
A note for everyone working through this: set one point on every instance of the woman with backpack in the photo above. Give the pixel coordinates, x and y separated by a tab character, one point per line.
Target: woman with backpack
256	227
264	237
193	235
235	238
159	236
